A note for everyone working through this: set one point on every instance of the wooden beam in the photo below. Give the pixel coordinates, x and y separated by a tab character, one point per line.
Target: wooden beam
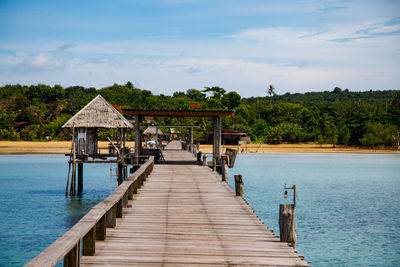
179	113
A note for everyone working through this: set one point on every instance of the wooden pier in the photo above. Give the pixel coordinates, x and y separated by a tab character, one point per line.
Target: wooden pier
184	215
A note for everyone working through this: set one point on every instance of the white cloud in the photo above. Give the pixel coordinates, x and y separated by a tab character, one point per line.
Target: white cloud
292	59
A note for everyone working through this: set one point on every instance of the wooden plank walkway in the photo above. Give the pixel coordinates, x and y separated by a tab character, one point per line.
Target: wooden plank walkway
185	216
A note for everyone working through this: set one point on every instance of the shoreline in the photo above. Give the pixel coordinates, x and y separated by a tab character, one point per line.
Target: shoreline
64	147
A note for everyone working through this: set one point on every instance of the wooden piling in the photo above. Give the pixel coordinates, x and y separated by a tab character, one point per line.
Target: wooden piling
119	178
80	178
239	185
287	226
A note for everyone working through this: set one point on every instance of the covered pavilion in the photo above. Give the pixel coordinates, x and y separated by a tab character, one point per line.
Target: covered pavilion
139	114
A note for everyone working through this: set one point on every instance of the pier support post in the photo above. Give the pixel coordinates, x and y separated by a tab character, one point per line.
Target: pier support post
287	227
111	217
119	208
80	178
239	185
101	228
89	243
72	258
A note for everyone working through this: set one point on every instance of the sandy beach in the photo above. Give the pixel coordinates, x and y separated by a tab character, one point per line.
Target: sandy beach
63	147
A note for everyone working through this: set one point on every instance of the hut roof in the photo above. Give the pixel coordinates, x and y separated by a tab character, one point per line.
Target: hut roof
152	130
98	113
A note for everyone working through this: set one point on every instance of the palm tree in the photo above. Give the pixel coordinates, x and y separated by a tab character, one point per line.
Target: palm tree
271	91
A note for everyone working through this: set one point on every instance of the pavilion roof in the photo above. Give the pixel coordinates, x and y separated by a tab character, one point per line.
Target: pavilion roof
98	113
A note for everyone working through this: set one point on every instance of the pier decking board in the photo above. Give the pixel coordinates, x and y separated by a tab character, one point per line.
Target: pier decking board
184	216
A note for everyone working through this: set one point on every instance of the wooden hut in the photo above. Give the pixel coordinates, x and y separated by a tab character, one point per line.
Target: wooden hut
86	124
97	114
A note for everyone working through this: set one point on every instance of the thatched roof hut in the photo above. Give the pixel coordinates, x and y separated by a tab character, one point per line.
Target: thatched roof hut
98	114
153	131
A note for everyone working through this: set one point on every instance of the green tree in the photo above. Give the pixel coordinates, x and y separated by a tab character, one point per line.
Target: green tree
271	92
217	92
231	100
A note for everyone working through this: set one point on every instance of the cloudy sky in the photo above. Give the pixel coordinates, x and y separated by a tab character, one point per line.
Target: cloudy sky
174	45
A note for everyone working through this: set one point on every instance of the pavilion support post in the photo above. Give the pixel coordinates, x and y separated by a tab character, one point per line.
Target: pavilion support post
80	178
157	137
217	139
223	174
191	140
138	138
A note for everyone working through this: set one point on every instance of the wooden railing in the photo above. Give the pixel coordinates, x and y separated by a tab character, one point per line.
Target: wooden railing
93	226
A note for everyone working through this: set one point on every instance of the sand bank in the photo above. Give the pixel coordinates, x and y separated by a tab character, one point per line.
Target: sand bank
62	147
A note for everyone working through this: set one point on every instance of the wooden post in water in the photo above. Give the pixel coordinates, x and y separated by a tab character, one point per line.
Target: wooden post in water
239	185
287	219
119	178
80	178
287	227
73	177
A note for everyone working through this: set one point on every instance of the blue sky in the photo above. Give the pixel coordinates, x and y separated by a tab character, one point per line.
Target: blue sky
175	45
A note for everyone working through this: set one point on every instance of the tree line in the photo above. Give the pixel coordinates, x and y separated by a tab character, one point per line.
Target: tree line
370	118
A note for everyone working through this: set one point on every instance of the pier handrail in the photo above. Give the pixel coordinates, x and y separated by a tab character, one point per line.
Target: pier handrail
93	225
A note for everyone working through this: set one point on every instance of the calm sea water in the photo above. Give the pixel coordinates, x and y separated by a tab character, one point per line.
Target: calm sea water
348	211
348	206
34	211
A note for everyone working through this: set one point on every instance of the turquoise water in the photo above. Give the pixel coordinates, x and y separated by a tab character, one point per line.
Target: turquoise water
34	211
348	211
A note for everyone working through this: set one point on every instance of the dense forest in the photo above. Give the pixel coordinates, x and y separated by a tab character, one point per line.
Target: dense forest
370	118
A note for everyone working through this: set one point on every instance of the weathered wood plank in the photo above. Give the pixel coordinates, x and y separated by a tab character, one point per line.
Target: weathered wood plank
185	215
